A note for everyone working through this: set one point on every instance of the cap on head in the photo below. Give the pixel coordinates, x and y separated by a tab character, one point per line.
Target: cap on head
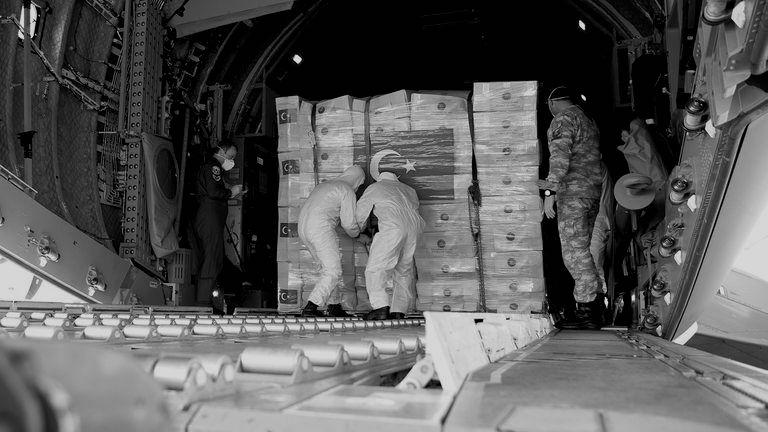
560	93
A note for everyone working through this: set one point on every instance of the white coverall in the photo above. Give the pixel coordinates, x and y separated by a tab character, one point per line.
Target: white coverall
641	155
328	204
391	255
601	233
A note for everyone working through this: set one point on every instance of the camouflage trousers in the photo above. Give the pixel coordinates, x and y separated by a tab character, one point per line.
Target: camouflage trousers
575	221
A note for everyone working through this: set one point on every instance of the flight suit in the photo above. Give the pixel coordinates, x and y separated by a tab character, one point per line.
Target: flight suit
210	221
576	175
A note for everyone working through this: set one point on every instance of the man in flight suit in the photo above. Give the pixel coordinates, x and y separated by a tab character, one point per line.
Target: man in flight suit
211	217
575	183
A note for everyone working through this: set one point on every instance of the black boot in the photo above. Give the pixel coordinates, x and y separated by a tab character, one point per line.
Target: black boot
310	310
377	314
397	316
335	310
588	316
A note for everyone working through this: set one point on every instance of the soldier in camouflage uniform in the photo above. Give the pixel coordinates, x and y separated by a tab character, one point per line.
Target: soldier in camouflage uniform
575	183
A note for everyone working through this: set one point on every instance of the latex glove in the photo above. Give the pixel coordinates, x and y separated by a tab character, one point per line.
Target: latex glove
235	190
364	239
549	206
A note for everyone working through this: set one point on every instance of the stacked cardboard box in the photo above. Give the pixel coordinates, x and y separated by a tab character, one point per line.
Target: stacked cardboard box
309	156
507	157
296	269
337	121
445	256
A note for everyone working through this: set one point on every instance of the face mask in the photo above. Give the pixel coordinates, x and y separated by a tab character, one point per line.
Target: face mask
228	164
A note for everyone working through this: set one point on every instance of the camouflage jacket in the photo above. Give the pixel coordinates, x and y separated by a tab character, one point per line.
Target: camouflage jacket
574	161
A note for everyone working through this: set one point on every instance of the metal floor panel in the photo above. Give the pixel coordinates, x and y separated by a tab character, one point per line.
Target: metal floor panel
592	381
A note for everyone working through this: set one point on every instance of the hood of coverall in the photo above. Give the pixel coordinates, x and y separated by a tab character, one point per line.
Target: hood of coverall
353	176
386	175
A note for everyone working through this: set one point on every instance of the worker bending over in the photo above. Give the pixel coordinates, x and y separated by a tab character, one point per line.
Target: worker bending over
213	193
328	204
575	183
391	254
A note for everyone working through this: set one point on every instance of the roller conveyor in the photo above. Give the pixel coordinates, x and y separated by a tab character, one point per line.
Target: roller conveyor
303	375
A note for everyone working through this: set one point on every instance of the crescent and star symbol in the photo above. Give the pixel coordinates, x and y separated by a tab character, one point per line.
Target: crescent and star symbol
381	154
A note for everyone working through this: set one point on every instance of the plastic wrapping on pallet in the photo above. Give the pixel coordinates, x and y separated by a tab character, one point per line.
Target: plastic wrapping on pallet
439	217
390	112
507	155
446	244
296	177
504	208
288	229
503	182
522	302
338	120
504	127
337	159
294	123
430	161
446	269
448	304
448	289
512	237
515	264
503	285
504	96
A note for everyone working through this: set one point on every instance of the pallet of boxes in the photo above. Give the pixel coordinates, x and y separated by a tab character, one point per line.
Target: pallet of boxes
507	157
308	156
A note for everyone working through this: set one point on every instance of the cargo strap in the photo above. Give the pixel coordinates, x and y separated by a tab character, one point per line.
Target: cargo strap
473	208
367	135
313	141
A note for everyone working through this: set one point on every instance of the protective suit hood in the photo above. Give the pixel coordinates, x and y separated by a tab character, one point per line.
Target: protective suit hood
353	176
386	175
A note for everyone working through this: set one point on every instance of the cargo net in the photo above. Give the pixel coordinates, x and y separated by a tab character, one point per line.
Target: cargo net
425	138
111	153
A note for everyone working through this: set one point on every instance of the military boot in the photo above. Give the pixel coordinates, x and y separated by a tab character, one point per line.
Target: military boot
397	316
335	310
310	310
588	316
377	314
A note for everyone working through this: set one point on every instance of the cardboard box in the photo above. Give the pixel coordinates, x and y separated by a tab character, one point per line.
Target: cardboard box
503	182
338	159
505	126
456	244
516	302
390	105
454	304
296	177
505	96
446	269
507	285
502	214
294	123
511	238
500	265
498	154
452	216
442	103
447	289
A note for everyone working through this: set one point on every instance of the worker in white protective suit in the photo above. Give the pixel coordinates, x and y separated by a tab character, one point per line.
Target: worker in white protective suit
329	204
391	254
